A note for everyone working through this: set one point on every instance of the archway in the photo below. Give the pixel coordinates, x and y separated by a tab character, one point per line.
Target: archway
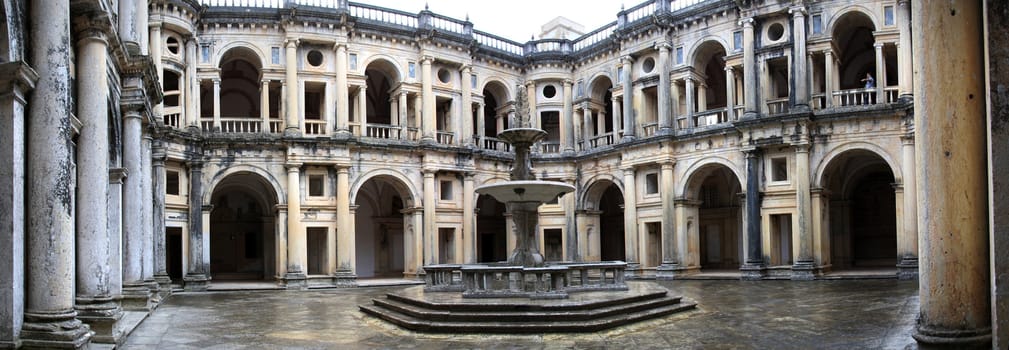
605	203
380	242
491	229
601	104
862	211
714	189
852	35
243	229
381	77
495	96
240	84
710	59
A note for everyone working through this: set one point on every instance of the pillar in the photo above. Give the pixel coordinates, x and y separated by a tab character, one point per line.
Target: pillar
828	77
630	220
49	317
217	104
481	127
951	168
701	96
342	98
297	251
675	108
430	232
192	90
291	78
468	219
362	109
904	57
197	269
403	119
572	241
264	105
158	194
567	119
95	303
147	208
127	25
630	122
750	108
428	122
670	260
155	49
691	94
617	117
330	108
467	106
135	294
880	74
800	76
730	94
753	268
587	125
665	116
345	238
804	266
908	265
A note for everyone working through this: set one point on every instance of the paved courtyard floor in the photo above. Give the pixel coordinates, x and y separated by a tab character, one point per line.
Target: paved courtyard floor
846	314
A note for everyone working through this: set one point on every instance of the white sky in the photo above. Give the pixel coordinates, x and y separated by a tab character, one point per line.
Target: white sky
515	19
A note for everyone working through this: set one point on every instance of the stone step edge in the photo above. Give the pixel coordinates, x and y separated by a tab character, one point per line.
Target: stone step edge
524	306
506	315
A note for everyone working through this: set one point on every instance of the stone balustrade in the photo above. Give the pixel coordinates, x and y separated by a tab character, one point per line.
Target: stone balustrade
554	281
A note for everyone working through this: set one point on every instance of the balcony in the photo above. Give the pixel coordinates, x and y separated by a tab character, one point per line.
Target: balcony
495	144
649	129
864	96
602	140
711	117
550	147
315	127
777	106
172	117
445	137
385	131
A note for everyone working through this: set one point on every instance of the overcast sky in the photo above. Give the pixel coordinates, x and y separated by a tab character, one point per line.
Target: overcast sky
516	19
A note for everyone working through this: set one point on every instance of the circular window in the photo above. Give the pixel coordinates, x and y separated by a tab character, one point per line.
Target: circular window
648	65
549	91
775	31
444	76
173	45
315	58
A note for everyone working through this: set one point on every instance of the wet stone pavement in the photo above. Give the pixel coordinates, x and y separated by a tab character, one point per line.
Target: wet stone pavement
849	314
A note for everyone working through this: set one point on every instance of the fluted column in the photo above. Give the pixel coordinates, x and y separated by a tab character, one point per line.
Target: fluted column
664	107
467	106
800	76
158	218
430	231
630	220
296	246
49	260
754	265
292	128
428	122
567	119
951	162
691	93
342	98
197	270
804	266
95	303
630	122
904	57
345	238
908	250
750	91
670	250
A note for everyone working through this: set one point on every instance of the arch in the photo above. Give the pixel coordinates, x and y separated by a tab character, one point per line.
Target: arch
386	64
597	83
243	228
595	186
265	176
240	50
405	187
821	168
498	88
695	176
835	20
704	48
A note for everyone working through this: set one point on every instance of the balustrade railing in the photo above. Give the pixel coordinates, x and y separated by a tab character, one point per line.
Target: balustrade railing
384	131
550	147
676	5
892	93
777	106
817	101
555	280
594	36
241	125
445	137
172	119
497	42
448	23
246	3
855	97
496	144
739	112
315	127
380	14
649	129
640	11
711	117
601	140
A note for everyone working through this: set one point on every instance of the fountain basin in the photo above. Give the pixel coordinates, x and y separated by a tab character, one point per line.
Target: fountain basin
526	191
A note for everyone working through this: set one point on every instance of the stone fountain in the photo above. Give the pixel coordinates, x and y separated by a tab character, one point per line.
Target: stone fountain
525	294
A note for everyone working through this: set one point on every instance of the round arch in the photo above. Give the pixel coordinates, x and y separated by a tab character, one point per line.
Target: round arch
243	227
704	47
265	176
498	88
406	188
597	82
694	171
822	166
834	20
240	50
385	64
595	187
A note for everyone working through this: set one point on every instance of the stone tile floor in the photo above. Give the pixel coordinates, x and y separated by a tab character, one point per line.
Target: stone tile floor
848	314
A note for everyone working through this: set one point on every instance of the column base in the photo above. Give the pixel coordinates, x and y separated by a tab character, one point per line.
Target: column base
55	330
628	138
750	115
931	338
195	282
907	268
752	272
292	132
164	285
665	130
136	297
906	98
193	129
102	314
344	279
155	292
804	271
671	270
633	270
342	134
296	281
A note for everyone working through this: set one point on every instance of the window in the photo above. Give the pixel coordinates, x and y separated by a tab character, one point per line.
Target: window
679	55
172	182
472	81
648	65
316	185
444	76
775	31
275	55
205	53
549	91
446	190
737	41
779	169
172	44
353	61
651	183
888	15
314	58
581	88
817	24
412	69
552	244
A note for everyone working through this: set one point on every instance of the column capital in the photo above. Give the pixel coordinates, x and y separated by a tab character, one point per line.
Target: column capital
426	59
667	163
568	82
265	81
338	46
907	139
154	25
746	22
797	11
751	152
116	175
194	164
292	167
730	69
878	45
627	169
429	172
291	43
466	68
91	33
626	59
342	169
802	146
216	80
663	46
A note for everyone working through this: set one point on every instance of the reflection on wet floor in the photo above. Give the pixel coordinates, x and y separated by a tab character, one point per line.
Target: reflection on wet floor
846	314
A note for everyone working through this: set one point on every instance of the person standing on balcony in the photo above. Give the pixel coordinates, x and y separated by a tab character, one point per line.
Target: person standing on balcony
869	81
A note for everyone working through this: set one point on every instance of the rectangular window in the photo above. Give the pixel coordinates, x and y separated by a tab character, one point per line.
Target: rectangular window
472	81
737	41
316	185
581	88
620	73
651	183
205	53
446	190
817	24
779	169
275	55
172	183
353	61
679	55
412	69
888	15
446	252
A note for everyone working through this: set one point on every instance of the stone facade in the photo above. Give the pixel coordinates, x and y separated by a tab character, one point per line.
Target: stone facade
187	142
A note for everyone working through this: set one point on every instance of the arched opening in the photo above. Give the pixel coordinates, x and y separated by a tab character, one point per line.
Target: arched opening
853	38
597	128
862	211
380	243
495	98
243	229
711	94
604	210
491	229
715	189
381	77
240	84
172	102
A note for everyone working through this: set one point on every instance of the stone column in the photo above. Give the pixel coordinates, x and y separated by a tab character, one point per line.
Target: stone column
750	108
617	118
880	74
665	115
481	126
691	94
799	76
158	218
192	86
467	105
828	77
217	104
571	241
567	119
292	128
345	238
95	303
754	266
428	122
630	220
951	163
13	96
49	316
155	49
804	267
342	95
670	258
296	246
147	206
403	119
197	271
430	231
674	110
730	94
127	25
362	109
136	295
468	219
908	265
264	105
587	124
630	122
904	57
